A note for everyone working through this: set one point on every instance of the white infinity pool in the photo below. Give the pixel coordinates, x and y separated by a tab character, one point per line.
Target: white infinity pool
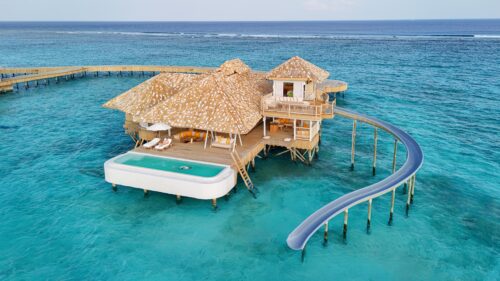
175	176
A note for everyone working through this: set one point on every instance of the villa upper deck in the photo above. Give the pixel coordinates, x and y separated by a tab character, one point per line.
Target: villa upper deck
293	108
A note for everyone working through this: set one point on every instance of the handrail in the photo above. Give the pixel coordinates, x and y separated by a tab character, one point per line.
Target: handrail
298	238
286	107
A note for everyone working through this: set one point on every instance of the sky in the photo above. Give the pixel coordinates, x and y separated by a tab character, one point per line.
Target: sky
239	10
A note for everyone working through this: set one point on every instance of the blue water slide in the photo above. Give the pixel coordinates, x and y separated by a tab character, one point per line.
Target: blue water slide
298	238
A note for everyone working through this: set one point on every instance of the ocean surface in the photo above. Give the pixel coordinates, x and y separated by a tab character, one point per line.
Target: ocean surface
437	80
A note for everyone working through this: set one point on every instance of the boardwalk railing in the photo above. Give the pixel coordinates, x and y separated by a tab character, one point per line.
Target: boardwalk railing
299	237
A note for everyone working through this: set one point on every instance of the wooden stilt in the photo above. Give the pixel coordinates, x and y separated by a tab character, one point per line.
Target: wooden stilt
146	192
353	143
113	186
369	220
413	189
325	234
346	216
264	125
393	196
252	164
409	195
303	254
214	204
375	136
178	199
394	157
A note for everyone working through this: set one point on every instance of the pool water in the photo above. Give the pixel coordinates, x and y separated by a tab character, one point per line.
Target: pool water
170	165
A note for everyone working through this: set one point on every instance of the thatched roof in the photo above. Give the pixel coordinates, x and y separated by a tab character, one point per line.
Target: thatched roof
150	92
297	68
226	100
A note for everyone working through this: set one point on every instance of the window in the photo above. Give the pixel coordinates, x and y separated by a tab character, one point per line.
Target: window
288	89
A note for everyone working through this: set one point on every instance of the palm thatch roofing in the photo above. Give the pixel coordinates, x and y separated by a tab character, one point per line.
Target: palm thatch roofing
226	100
151	92
297	68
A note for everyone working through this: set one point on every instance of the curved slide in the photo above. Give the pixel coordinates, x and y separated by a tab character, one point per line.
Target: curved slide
414	159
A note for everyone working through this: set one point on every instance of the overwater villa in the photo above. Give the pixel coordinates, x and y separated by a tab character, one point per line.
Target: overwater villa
194	133
195	129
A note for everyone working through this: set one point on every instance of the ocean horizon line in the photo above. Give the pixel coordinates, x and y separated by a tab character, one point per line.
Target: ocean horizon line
245	21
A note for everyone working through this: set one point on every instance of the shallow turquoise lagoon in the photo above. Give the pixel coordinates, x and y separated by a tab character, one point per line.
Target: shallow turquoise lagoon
59	219
170	165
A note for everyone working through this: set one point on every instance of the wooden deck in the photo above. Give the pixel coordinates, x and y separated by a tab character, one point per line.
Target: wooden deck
253	144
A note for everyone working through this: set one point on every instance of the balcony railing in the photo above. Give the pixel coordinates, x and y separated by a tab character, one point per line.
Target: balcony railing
290	106
307	133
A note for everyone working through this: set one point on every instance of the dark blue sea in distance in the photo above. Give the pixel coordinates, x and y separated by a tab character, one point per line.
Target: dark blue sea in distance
439	80
312	29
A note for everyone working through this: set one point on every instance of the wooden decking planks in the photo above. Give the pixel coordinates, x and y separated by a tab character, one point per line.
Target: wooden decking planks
40	76
253	144
40	73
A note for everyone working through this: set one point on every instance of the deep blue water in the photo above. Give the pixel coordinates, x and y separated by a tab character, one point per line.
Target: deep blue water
60	220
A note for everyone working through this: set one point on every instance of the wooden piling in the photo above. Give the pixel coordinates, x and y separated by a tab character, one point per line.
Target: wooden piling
346	216
353	143
393	197
214	204
369	220
146	192
325	234
413	189
394	157
375	139
113	186
178	199
409	195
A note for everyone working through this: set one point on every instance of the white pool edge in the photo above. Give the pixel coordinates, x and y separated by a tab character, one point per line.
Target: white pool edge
170	182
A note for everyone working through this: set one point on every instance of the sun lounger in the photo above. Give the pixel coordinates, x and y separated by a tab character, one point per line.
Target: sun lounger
151	143
166	143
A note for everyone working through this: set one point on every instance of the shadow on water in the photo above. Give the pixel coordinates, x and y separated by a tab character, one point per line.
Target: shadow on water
7	127
477	216
92	172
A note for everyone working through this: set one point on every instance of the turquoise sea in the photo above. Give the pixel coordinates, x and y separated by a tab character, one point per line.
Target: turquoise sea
438	80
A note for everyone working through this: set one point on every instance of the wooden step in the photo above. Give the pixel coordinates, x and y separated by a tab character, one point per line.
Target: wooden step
243	172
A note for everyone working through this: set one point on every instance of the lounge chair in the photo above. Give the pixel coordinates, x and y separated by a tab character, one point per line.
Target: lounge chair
166	143
151	143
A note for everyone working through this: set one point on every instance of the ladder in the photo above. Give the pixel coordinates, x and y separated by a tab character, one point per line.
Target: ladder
243	173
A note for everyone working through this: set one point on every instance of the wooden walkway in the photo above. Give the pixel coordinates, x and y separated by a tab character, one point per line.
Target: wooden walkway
12	76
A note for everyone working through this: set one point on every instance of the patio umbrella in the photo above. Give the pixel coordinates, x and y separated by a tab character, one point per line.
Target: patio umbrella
158	127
